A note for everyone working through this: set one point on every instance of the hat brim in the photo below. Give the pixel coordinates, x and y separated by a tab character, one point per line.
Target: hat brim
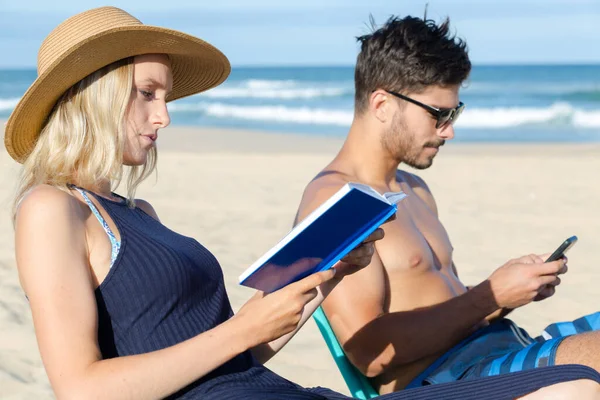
196	66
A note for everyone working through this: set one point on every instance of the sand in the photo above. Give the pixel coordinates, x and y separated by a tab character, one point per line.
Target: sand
237	192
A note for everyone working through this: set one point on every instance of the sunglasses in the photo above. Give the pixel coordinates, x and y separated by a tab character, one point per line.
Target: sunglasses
443	116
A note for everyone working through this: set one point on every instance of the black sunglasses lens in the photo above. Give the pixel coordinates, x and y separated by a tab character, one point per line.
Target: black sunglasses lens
444	117
459	111
449	116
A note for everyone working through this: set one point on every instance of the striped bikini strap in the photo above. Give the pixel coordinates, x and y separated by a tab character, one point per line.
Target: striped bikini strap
115	244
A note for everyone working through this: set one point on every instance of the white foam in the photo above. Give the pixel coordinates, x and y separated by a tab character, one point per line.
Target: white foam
533	88
8	104
495	118
306	115
271	93
302	115
278	89
556	114
587	119
269	84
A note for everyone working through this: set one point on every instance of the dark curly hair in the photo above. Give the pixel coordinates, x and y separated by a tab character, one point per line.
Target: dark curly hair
407	55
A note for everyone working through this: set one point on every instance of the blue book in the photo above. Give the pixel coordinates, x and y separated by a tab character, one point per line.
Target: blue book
323	237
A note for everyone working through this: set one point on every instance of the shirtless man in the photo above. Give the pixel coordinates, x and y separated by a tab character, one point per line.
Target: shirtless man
407	319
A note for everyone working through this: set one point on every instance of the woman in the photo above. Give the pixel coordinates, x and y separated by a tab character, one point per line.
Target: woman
122	306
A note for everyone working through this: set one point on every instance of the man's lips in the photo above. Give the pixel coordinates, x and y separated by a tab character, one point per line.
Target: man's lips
434	146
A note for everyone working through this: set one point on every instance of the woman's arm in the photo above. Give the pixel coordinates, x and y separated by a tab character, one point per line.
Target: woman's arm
52	259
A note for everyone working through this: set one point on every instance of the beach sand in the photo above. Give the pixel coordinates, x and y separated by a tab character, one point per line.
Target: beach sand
237	192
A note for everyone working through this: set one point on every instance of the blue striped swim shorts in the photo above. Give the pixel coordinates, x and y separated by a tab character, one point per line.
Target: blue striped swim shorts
500	348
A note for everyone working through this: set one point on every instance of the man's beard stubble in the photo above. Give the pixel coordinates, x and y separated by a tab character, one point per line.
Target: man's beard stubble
399	142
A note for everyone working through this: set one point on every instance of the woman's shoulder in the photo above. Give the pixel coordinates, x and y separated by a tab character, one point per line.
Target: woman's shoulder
147	208
46	201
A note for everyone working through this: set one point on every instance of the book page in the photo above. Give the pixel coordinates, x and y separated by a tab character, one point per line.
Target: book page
394	197
367	190
389	197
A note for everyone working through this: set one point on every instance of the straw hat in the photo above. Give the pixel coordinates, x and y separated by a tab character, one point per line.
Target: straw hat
93	39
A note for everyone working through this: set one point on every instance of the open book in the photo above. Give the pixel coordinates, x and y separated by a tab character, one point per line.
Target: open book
323	237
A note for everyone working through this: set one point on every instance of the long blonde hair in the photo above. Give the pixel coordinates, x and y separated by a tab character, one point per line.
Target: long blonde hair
83	139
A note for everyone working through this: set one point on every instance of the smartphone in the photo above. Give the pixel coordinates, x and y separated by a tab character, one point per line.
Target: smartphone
562	249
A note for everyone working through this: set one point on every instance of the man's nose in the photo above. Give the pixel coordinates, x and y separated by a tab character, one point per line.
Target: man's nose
447	132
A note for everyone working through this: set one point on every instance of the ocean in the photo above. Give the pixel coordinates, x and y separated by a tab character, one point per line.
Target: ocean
541	103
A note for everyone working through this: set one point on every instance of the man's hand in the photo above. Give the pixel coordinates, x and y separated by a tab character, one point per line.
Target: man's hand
550	289
525	279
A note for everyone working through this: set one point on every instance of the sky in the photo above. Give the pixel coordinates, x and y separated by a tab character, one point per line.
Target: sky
323	32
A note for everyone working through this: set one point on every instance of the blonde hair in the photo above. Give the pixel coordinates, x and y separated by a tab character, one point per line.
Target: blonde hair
83	139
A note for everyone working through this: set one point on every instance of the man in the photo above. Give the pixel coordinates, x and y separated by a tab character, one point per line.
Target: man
407	319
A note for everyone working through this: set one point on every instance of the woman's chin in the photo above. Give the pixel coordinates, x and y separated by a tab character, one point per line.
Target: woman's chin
134	161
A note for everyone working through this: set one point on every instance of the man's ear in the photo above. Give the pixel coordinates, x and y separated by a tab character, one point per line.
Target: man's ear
379	105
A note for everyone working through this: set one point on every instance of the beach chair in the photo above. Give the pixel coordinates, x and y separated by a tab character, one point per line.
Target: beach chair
497	387
357	383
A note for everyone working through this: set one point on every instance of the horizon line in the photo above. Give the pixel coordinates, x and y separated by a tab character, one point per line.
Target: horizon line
329	65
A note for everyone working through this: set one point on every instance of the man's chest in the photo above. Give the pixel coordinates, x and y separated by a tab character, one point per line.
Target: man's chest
416	239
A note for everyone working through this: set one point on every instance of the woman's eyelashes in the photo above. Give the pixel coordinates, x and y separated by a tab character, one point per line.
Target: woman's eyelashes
146	94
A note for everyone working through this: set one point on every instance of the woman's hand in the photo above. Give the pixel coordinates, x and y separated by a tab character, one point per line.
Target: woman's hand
270	316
